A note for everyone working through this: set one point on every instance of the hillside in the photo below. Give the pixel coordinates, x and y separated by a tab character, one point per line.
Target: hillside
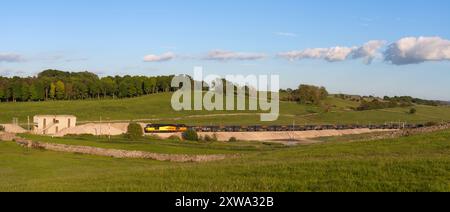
156	108
415	163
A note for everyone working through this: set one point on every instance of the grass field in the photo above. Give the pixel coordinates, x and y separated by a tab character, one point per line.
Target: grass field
416	163
158	107
161	146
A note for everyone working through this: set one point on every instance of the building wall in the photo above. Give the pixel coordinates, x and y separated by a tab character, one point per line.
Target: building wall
50	125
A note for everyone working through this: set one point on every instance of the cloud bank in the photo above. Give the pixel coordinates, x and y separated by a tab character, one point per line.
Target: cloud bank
229	55
414	50
10	58
408	50
368	51
160	58
6	72
333	54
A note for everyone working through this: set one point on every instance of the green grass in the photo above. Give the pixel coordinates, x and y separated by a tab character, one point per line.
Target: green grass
158	107
352	138
424	114
161	146
416	163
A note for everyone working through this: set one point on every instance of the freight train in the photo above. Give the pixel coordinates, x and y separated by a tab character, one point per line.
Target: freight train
171	128
165	128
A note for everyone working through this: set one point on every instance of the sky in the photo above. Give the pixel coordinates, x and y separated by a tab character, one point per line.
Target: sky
371	47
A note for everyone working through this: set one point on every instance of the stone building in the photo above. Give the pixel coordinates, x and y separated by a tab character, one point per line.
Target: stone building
51	124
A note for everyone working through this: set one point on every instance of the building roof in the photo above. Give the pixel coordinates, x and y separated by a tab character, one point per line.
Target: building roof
54	116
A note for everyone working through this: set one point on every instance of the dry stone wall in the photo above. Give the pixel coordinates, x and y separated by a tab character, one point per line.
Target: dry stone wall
411	132
121	153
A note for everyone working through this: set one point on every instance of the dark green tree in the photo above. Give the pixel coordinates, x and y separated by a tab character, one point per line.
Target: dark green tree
25	92
60	90
134	131
52	92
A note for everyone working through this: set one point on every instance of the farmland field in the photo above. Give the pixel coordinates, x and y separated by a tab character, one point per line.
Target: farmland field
156	108
416	163
347	163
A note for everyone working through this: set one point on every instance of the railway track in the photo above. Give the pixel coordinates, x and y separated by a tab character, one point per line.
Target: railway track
285	128
282	128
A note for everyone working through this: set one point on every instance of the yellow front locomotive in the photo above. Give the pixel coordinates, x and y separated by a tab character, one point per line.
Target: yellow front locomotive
165	128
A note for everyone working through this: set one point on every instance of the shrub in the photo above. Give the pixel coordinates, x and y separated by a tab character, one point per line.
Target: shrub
207	138
413	111
134	131
212	138
2	128
233	139
191	135
377	104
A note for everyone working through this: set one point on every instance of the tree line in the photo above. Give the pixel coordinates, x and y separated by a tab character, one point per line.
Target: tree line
396	101
376	104
60	85
309	94
305	94
413	100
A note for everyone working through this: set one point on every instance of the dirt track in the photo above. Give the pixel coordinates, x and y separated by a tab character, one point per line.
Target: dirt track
10	128
115	129
121	128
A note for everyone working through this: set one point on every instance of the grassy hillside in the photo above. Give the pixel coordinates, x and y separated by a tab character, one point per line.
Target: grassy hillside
417	163
158	107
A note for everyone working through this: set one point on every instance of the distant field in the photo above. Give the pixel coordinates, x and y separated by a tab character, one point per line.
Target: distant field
416	163
158	107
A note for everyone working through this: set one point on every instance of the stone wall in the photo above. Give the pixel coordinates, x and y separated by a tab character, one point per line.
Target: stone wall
121	153
7	136
411	132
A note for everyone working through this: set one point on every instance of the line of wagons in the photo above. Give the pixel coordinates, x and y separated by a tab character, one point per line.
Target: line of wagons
171	128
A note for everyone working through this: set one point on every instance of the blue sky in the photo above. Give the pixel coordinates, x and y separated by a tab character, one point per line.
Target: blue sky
113	37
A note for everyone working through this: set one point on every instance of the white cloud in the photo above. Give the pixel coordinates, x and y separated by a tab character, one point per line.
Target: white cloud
413	50
339	53
228	55
160	58
369	51
6	72
333	54
409	50
10	58
286	34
